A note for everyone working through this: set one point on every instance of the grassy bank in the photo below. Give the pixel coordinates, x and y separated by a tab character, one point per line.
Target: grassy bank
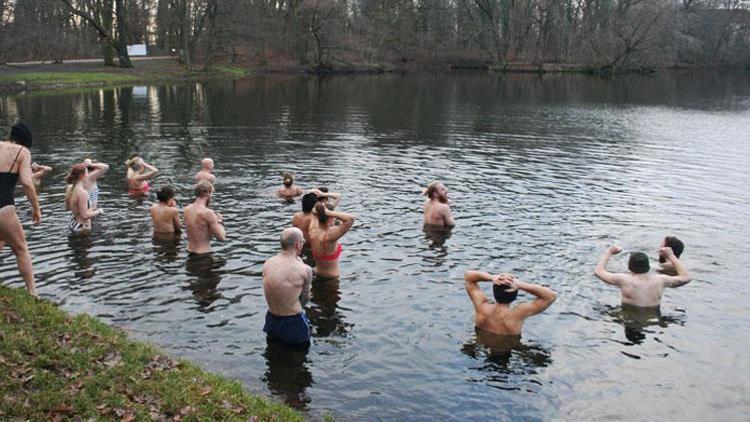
55	366
82	75
67	78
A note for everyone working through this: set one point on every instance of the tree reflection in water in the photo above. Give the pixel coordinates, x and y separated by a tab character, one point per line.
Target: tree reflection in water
503	358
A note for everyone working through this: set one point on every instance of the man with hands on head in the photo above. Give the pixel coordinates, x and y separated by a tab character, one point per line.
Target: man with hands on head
325	197
639	287
499	317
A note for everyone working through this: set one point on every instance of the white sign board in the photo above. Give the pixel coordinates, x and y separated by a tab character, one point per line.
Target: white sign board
137	50
140	91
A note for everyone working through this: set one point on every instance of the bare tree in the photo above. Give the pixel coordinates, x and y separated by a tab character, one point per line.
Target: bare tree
96	13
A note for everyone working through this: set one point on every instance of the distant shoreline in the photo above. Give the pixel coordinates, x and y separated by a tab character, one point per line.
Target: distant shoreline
91	73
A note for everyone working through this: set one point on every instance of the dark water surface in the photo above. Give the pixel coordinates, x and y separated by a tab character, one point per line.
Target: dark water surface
544	174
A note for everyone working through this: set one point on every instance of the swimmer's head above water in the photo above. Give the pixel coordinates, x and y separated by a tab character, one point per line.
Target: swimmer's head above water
674	243
504	294
207	164
292	239
436	190
21	135
135	163
638	263
308	202
288	179
320	211
77	172
203	189
165	194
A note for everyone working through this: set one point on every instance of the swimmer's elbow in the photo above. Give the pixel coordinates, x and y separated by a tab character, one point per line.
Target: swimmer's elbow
471	277
551	297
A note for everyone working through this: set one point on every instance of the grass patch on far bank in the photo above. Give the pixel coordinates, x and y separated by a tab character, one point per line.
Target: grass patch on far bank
51	78
231	71
55	366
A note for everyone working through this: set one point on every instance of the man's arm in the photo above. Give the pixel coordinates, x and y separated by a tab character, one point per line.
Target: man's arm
448	217
27	181
305	293
601	268
214	224
682	277
176	223
472	279
334	195
544	298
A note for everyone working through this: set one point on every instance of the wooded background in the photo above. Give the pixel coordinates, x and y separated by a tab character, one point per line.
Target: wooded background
328	34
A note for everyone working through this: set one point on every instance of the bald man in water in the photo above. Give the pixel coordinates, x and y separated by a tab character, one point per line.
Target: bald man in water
206	173
285	279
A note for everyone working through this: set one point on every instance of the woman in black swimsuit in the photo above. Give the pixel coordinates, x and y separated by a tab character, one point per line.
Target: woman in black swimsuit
15	165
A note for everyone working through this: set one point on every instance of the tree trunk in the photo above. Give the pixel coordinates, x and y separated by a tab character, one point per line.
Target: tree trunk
184	19
122	34
108	51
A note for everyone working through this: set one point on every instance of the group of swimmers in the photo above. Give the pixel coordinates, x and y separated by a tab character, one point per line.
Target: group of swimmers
287	278
314	234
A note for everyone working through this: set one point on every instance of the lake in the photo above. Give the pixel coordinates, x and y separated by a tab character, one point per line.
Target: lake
544	174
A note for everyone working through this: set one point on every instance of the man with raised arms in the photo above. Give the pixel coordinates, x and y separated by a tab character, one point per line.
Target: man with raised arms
330	199
285	279
437	212
639	287
499	318
201	222
206	173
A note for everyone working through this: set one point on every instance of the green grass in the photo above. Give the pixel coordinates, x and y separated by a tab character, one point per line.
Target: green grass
230	71
56	366
52	78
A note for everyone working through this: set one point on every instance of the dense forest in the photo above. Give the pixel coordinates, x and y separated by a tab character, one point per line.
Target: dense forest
619	35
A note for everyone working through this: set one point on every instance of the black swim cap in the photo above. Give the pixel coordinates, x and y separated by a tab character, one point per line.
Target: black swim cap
638	263
308	202
502	295
20	133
